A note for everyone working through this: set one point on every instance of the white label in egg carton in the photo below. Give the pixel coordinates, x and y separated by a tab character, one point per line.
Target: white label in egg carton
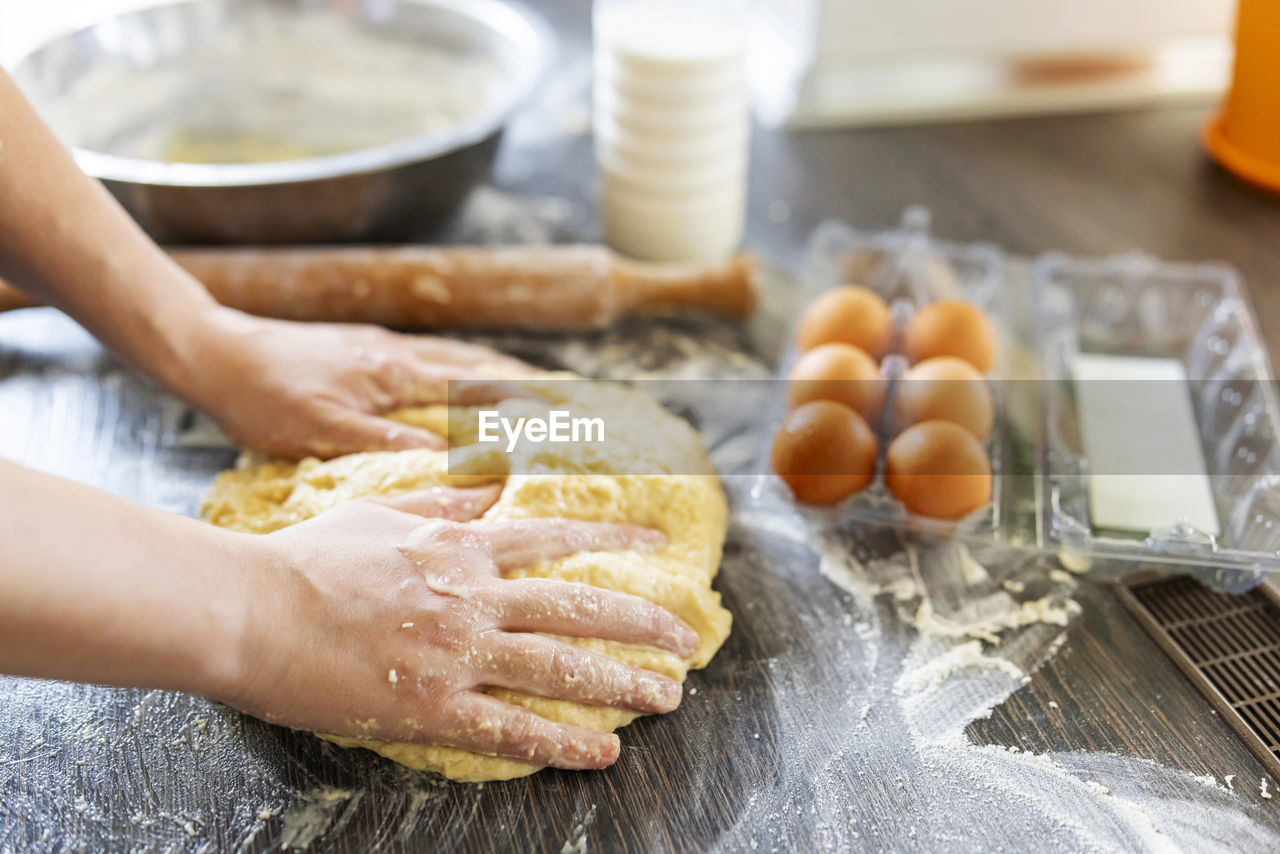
1147	469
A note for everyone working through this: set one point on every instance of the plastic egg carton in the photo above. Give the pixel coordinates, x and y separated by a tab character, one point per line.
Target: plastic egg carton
1125	305
908	269
1194	313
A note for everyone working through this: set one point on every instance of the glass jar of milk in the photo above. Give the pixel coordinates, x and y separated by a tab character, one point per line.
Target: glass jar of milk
672	126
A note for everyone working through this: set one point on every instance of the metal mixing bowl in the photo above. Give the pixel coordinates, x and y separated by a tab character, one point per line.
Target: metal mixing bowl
362	119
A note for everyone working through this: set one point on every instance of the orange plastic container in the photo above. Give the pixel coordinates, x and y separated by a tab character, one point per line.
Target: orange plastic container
1245	136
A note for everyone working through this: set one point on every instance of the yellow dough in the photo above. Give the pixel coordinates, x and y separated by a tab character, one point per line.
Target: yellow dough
651	470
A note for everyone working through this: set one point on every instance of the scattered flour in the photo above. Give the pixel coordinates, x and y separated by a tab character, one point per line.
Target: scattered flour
972	571
1075	562
317	812
1048	609
931	675
577	841
955	673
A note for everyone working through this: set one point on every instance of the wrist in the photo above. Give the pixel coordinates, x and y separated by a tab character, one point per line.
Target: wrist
229	654
145	307
187	342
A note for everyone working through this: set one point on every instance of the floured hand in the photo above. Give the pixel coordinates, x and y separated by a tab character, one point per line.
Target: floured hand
370	621
311	389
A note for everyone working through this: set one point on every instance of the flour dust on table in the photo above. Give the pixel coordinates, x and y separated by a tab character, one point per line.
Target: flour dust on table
920	664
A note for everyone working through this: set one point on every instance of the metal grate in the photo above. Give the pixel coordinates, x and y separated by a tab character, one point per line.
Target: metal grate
1228	645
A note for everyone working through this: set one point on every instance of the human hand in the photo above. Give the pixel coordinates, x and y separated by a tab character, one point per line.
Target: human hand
371	621
316	389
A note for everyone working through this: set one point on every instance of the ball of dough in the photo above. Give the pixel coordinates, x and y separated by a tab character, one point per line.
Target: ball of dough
938	469
654	471
945	388
849	314
840	372
825	452
951	328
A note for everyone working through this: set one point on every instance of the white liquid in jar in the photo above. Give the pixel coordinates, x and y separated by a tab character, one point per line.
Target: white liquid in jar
672	126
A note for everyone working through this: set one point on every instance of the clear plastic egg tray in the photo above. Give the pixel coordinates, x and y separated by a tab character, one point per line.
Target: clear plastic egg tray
1130	305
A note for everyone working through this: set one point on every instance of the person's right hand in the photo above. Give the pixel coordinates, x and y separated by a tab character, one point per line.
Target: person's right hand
371	621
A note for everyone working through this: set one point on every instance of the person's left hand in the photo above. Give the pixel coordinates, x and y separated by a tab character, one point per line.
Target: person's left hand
388	618
318	389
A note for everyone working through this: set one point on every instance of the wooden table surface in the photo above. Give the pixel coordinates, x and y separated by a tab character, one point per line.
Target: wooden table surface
792	738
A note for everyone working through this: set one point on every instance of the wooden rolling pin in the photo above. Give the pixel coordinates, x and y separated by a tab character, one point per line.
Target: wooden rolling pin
424	287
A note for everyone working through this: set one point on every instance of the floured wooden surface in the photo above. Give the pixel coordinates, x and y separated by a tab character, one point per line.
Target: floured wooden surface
840	711
828	718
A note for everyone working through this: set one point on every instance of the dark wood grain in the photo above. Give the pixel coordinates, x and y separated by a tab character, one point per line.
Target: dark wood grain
789	740
1116	691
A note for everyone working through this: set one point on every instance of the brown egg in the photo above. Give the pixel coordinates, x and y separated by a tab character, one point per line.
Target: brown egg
849	314
945	388
938	469
824	452
840	372
951	328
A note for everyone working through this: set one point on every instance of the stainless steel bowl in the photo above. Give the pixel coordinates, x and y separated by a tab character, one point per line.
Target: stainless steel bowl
374	119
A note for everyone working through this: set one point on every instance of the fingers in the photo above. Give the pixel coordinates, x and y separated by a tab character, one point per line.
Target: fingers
445	502
334	430
349	431
524	542
449	352
484	724
580	610
550	668
420	384
453	557
479	392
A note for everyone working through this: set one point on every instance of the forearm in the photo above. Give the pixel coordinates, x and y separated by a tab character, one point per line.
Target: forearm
95	588
66	242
